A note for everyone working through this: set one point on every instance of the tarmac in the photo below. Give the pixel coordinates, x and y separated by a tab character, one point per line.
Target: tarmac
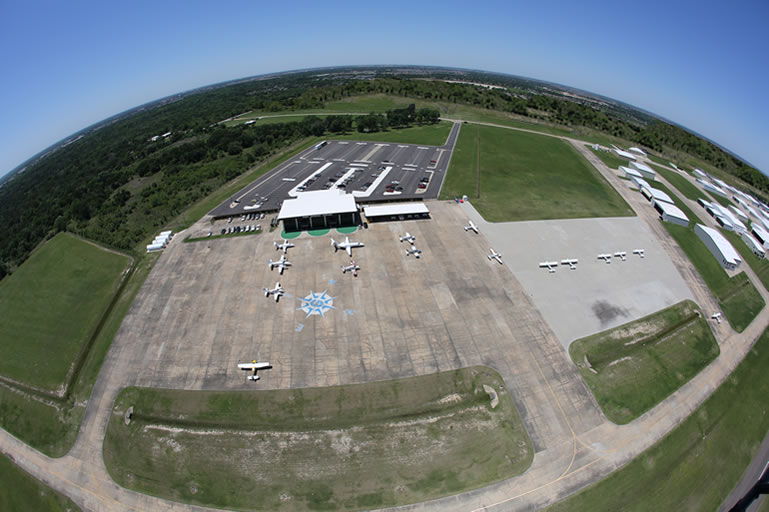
202	310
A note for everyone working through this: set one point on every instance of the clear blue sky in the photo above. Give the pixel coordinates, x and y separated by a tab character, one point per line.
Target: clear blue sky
66	65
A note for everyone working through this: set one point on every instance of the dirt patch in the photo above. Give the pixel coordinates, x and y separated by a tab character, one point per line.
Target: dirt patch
607	313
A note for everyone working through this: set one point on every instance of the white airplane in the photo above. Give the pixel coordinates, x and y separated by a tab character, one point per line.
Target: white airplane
282	263
549	265
408	238
494	256
276	292
346	245
472	226
572	263
605	257
639	252
716	317
416	252
254	366
352	267
621	255
286	245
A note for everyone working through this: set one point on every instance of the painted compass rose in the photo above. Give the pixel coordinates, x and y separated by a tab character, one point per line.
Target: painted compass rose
317	304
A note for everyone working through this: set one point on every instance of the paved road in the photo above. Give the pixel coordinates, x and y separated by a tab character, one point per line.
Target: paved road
573	450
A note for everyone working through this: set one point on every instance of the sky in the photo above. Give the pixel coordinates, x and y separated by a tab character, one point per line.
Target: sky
67	65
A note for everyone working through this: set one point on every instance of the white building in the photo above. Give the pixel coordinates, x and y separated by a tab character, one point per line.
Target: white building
671	213
624	154
399	211
654	194
640	182
630	173
739	213
727	219
761	234
638	151
319	209
723	251
699	173
712	188
646	171
754	245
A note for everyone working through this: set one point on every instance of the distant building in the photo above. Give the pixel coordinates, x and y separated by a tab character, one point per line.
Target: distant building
739	213
699	174
713	189
761	234
638	151
624	154
723	251
670	213
630	173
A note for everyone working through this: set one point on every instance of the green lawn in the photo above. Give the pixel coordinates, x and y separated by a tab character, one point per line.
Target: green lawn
759	265
21	492
697	464
525	176
352	447
639	364
683	185
51	306
610	158
738	298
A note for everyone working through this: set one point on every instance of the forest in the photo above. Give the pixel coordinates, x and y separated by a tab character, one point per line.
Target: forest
119	183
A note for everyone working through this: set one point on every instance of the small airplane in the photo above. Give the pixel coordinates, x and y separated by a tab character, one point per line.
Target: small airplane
472	226
346	245
639	252
572	263
549	265
621	255
352	267
605	257
716	317
416	252
276	292
286	245
282	264
408	238
493	255
254	366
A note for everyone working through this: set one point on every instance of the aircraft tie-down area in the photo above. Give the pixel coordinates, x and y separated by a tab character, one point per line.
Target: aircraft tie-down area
346	245
253	367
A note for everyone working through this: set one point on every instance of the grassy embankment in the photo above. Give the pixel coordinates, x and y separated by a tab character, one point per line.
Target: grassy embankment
637	365
738	298
60	315
20	491
698	463
525	176
347	447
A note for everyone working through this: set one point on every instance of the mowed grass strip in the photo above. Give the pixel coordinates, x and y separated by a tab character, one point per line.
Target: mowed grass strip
338	448
639	364
20	491
610	158
697	464
51	305
525	176
738	298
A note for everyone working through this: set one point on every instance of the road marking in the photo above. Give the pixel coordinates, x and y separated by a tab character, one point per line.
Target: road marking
400	146
420	147
361	143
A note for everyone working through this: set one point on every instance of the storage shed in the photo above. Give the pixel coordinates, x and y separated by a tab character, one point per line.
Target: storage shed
723	251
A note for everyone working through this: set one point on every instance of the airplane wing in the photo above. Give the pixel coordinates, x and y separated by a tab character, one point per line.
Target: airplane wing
349	250
254	366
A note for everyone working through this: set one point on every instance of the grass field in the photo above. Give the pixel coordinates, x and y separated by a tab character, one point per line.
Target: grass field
349	447
609	158
524	176
738	298
19	491
639	364
430	135
759	265
50	307
697	464
660	160
683	185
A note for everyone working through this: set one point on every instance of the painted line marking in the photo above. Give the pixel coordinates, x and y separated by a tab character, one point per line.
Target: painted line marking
300	327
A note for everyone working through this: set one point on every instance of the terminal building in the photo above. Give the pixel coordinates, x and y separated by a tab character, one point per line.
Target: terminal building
723	251
319	209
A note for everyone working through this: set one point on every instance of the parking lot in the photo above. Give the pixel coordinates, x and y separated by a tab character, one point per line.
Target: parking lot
371	171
